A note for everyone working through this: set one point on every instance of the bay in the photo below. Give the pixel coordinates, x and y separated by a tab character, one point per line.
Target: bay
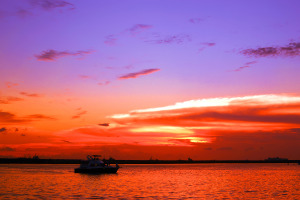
160	181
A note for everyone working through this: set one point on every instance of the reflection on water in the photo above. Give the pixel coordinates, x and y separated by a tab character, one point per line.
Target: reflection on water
203	181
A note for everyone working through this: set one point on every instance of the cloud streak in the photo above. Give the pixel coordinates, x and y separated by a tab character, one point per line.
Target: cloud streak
137	74
290	50
248	111
196	20
52	55
247	65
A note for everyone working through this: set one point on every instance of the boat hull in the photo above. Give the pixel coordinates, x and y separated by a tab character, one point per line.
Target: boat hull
108	170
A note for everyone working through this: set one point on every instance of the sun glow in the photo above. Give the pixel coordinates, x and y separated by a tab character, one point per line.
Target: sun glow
162	129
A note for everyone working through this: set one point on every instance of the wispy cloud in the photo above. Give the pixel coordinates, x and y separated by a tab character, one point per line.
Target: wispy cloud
205	45
52	4
110	40
11	84
170	39
9	100
138	28
51	55
84	77
30	94
196	20
290	50
133	31
79	114
137	74
104	83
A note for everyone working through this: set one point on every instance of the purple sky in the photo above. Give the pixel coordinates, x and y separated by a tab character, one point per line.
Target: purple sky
97	58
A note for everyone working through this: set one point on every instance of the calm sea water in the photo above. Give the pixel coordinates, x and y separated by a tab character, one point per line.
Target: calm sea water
175	181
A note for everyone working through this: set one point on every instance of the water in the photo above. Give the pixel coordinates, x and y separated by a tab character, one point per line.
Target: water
174	181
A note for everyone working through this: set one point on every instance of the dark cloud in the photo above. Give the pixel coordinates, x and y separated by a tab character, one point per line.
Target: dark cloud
104	124
7	149
8	100
51	55
52	4
136	74
30	94
170	39
208	149
66	141
3	129
292	49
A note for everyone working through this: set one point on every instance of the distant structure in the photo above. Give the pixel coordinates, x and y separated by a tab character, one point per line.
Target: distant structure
276	159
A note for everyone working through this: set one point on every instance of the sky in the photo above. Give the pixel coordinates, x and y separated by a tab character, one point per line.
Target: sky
150	79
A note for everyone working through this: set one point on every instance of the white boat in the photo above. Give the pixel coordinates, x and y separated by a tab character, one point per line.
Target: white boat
96	166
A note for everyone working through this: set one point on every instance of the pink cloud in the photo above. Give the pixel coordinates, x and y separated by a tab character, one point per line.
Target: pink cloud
137	74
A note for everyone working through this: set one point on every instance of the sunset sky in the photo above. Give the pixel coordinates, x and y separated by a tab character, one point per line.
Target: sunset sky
141	79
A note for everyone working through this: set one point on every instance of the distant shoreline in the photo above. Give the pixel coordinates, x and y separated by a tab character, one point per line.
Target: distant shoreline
78	161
